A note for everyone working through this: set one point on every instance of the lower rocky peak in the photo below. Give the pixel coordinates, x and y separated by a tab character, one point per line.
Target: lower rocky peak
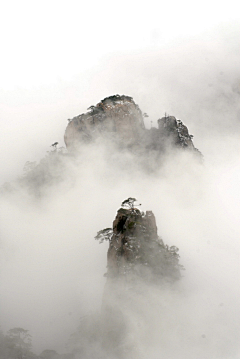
136	252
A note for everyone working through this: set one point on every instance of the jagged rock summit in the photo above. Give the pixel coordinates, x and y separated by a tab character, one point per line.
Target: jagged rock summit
139	269
117	115
116	125
136	252
120	118
138	264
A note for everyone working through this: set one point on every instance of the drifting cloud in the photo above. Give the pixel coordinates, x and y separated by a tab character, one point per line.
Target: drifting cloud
51	267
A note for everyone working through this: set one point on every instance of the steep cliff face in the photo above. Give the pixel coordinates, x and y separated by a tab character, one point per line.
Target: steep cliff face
116	116
136	252
172	128
137	262
119	118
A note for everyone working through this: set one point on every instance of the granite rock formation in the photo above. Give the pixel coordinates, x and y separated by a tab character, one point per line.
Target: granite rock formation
140	267
135	249
113	115
119	118
137	262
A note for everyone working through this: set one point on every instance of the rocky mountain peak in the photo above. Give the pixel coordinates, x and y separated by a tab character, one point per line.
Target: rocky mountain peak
116	115
170	127
135	249
137	260
120	119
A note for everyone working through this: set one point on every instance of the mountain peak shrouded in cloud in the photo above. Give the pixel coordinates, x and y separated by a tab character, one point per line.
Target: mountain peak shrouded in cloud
139	265
135	249
120	118
114	129
116	115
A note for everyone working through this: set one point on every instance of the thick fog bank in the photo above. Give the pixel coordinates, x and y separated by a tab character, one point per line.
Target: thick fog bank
52	268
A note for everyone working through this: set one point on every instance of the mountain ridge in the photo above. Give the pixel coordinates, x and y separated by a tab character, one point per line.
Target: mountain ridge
118	117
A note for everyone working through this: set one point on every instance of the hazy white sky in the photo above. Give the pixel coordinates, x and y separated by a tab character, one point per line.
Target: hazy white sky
48	41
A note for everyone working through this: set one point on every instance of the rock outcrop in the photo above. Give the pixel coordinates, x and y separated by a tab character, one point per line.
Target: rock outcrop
141	271
138	262
136	252
119	118
115	115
